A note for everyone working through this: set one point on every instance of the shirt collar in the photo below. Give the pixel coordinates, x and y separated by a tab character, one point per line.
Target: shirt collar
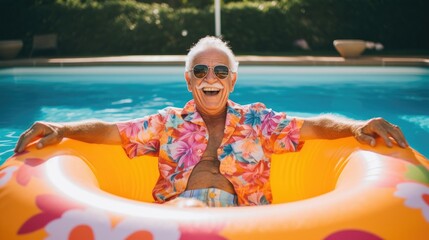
190	113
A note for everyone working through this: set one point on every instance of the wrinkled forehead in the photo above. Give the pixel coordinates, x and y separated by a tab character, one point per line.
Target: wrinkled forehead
211	57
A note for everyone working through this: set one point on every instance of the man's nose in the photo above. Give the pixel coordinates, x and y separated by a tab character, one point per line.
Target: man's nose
211	76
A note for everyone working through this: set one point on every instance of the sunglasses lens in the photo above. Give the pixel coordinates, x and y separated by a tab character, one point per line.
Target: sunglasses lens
200	71
221	71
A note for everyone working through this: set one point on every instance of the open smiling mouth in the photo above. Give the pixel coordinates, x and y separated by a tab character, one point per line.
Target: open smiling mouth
211	91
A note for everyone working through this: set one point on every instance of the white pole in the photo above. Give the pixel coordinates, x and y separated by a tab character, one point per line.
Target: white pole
217	18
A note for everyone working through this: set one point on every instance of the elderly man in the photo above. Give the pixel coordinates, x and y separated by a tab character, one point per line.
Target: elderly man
213	150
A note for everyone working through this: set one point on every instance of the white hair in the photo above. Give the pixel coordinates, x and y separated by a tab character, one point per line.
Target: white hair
207	43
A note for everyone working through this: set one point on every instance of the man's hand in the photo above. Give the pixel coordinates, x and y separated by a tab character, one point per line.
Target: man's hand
49	133
378	127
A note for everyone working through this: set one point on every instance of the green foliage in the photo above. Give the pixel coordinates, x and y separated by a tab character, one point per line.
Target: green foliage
396	23
255	27
103	27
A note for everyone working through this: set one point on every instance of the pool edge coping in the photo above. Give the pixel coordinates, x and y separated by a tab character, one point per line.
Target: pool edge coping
141	60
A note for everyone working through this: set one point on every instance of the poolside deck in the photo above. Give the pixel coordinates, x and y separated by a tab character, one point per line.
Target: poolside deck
244	60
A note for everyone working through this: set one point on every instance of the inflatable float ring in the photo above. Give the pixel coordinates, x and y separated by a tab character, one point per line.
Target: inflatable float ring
331	189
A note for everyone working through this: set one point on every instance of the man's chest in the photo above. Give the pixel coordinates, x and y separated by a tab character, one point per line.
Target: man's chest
184	147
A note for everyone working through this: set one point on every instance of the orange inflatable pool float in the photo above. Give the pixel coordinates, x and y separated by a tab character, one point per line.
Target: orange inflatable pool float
331	189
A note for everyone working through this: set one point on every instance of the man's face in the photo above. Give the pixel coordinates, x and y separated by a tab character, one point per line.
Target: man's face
210	92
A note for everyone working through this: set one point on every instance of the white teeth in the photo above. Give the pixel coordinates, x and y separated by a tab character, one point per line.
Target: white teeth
209	89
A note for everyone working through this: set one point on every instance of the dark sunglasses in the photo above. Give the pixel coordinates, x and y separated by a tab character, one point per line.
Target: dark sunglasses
200	71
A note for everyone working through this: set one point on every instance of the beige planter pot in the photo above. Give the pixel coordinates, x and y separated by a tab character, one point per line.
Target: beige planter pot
350	48
9	49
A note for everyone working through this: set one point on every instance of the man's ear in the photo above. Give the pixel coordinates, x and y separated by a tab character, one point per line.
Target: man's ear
188	81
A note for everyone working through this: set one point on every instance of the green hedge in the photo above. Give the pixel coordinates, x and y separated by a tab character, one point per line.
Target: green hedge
106	27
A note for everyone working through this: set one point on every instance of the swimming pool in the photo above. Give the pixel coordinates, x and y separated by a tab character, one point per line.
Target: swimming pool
399	94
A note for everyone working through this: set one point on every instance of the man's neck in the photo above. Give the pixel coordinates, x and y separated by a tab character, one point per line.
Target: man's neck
212	120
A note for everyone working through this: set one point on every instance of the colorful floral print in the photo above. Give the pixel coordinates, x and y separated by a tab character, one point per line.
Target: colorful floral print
95	224
28	170
51	207
352	234
179	138
417	173
6	174
416	195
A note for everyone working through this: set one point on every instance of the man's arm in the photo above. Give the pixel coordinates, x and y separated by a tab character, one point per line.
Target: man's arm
53	133
332	127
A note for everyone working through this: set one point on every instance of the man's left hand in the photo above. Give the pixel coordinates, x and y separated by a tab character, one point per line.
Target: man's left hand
378	127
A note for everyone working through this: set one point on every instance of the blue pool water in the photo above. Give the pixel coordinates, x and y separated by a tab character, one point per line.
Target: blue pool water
399	94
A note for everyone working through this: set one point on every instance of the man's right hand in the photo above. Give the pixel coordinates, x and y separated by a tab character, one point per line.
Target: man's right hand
49	133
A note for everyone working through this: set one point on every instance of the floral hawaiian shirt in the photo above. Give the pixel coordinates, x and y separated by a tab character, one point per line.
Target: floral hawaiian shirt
179	137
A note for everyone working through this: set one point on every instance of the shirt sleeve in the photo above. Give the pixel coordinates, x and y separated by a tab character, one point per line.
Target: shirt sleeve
281	133
141	136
